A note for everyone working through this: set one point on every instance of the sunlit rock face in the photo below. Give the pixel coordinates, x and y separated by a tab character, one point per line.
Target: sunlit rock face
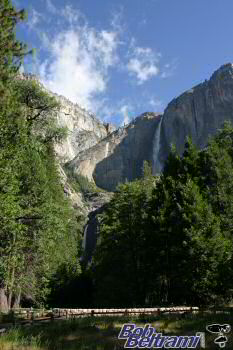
109	157
84	129
119	156
199	112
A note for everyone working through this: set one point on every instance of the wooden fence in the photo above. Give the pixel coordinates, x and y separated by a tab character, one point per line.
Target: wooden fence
33	314
30	315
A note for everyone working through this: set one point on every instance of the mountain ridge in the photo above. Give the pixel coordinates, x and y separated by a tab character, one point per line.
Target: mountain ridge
107	155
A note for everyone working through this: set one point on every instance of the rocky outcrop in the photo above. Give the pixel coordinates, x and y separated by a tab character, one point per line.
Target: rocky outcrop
108	157
77	199
119	157
199	112
84	129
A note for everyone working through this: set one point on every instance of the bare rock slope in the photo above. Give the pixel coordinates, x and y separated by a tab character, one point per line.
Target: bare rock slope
109	156
199	112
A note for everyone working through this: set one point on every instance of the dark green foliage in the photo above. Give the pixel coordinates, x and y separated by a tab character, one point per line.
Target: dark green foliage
39	110
169	240
12	51
122	248
70	289
39	231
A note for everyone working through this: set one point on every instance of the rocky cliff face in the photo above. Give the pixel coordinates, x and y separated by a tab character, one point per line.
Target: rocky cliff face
120	155
108	157
84	129
199	113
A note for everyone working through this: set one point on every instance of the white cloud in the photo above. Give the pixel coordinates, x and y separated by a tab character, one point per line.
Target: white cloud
34	19
103	46
168	69
76	60
143	62
155	103
78	63
125	111
117	22
45	41
76	57
107	111
71	15
51	7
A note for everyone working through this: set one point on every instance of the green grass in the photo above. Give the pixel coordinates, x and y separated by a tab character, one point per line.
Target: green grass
100	333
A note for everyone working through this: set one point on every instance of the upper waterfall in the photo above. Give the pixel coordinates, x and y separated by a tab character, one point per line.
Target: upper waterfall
106	149
156	165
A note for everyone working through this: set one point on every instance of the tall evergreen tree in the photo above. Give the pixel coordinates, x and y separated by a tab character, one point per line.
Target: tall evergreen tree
12	51
181	232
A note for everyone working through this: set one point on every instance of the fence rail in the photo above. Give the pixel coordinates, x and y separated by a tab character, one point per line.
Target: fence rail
42	314
127	311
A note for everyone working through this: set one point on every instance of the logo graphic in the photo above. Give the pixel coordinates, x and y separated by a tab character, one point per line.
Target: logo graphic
221	330
147	337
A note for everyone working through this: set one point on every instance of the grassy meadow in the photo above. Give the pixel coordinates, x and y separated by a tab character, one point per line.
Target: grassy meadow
100	333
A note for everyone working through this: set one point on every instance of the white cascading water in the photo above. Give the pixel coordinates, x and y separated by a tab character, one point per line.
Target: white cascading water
85	238
106	149
156	165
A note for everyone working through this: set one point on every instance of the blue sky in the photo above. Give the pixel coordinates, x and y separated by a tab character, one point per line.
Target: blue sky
120	58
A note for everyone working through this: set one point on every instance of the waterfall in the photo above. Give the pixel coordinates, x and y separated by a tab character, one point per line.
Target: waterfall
106	149
90	234
156	165
85	238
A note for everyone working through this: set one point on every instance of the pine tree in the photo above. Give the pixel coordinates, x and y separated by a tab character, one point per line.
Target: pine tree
12	51
122	246
175	240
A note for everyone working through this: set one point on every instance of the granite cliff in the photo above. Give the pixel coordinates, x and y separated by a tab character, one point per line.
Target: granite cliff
199	113
107	156
84	130
119	156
